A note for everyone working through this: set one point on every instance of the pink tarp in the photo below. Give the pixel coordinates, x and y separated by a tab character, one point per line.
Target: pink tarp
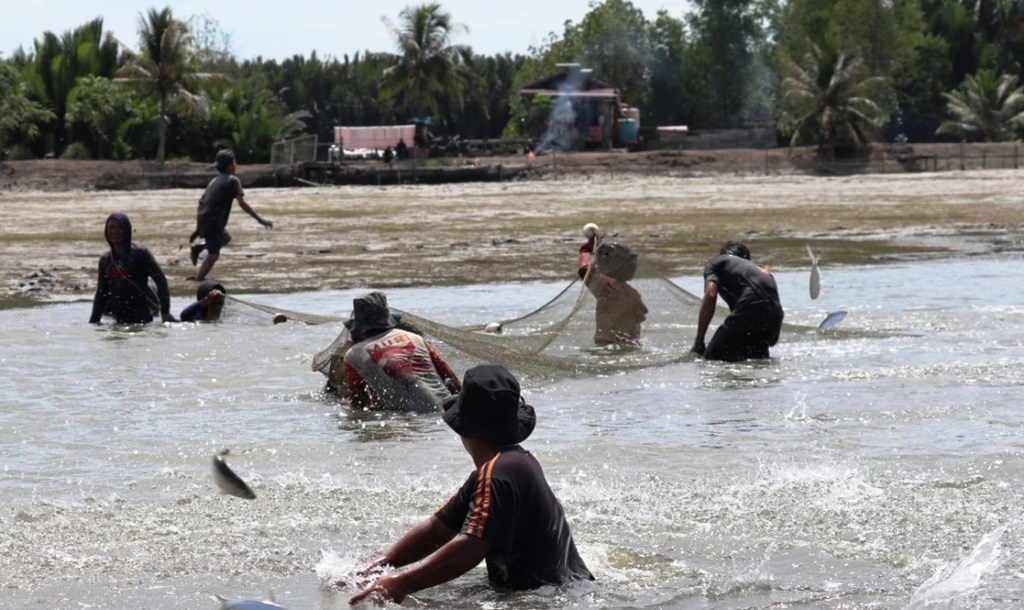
376	137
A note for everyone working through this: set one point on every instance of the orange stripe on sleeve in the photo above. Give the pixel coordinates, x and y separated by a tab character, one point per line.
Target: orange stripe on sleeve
482	500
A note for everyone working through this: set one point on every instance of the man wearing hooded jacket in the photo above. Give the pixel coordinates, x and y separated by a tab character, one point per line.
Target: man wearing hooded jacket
122	284
504	514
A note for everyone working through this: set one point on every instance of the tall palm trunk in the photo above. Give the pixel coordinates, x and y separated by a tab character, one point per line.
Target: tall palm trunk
161	148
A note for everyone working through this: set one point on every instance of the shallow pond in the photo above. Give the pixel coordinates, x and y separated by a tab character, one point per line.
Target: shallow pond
854	472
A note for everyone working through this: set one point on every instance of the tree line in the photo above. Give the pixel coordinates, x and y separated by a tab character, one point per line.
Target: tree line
836	74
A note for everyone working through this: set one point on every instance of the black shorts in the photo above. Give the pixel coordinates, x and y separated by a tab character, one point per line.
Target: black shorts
746	335
214	241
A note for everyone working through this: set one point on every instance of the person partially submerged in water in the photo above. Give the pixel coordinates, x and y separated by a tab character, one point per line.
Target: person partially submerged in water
750	291
505	513
209	302
391	368
620	309
123	276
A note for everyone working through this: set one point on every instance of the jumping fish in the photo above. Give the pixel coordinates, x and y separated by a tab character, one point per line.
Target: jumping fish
229	482
831	320
815	276
247	604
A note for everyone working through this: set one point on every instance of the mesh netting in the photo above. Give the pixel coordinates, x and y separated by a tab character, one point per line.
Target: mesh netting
557	338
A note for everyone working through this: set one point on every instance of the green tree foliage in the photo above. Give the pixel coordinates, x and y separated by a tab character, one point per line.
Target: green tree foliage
986	107
260	119
486	108
427	64
101	106
51	73
669	103
717	64
166	67
21	119
832	100
613	40
720	61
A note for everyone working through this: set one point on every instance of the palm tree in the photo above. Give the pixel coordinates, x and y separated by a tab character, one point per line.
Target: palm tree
58	63
260	120
832	99
985	106
165	66
427	65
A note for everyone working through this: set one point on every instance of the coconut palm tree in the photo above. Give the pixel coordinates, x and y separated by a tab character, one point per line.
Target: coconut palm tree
832	99
428	65
165	66
985	107
58	63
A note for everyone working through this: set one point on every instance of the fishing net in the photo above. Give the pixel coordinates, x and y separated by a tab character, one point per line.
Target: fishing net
557	339
562	337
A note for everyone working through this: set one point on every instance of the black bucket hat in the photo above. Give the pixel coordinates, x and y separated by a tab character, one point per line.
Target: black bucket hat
370	313
490	407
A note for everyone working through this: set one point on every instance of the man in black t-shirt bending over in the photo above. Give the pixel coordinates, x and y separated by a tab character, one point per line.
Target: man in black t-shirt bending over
753	298
505	512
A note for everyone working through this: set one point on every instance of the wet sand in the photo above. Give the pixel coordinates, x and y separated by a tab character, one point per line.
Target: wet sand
380	237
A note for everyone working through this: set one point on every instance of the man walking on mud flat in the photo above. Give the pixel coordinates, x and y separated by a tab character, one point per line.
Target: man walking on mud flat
750	291
214	209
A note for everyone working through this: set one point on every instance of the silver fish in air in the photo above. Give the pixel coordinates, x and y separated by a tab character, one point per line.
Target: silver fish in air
831	321
229	482
815	276
247	604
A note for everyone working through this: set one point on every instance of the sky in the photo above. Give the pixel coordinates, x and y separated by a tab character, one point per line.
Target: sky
285	28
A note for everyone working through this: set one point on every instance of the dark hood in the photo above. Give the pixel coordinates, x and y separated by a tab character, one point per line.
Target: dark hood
126	227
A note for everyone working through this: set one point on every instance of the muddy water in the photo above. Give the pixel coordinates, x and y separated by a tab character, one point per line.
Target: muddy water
854	472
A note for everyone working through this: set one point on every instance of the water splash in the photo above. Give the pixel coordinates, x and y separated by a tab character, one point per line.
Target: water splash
949	584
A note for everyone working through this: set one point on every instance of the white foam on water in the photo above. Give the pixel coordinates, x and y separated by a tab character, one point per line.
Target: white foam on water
952	582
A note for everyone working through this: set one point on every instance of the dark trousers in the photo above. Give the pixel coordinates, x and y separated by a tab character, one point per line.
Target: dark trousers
746	334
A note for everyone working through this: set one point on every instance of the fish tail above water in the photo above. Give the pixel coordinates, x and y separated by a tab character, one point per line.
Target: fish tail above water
814	259
226	479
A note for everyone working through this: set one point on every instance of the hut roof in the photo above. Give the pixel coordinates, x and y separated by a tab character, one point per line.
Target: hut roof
571	82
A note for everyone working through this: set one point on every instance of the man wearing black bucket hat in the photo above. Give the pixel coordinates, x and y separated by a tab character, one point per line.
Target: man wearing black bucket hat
620	311
214	210
505	512
389	367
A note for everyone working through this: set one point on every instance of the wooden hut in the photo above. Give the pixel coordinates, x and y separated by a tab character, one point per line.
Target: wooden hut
585	112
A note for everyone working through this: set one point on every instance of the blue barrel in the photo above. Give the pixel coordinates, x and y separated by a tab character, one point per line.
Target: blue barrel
627	131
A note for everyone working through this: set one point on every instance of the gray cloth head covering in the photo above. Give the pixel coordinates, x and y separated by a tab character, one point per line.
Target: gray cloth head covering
616	260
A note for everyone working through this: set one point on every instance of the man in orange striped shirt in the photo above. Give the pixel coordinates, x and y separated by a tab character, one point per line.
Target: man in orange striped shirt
505	512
